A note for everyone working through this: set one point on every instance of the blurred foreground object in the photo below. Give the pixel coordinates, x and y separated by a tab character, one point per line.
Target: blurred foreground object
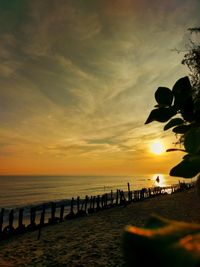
162	242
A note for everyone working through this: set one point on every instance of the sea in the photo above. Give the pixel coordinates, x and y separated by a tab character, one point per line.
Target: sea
21	191
27	191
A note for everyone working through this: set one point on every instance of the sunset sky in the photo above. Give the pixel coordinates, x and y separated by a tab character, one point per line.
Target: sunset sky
77	79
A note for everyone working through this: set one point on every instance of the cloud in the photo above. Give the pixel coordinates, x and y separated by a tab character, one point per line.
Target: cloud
52	23
78	77
8	62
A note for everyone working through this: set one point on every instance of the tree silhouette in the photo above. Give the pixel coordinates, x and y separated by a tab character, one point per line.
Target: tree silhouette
179	108
166	242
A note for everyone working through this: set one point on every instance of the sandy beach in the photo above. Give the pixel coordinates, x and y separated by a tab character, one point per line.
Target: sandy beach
94	240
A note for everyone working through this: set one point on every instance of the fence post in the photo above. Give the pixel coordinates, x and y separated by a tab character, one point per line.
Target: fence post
93	203
106	200
83	210
11	218
62	212
1	220
98	203
32	216
71	214
53	219
149	190
9	229
78	204
21	226
41	224
102	201
136	195
91	208
72	206
129	193
86	203
32	225
142	193
117	197
122	198
42	216
111	198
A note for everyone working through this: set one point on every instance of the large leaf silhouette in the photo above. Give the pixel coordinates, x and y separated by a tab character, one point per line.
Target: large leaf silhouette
181	129
192	141
187	168
173	122
164	96
182	91
161	115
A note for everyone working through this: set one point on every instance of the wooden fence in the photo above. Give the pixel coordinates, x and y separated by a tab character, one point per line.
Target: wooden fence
79	208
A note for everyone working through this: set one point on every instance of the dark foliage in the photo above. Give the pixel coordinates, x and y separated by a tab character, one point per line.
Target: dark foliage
180	108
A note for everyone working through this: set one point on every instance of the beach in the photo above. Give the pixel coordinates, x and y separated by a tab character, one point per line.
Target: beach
94	240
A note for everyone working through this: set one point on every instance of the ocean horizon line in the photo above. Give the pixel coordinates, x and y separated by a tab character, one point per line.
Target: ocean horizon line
86	175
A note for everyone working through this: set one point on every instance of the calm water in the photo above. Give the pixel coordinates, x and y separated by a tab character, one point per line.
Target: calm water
22	191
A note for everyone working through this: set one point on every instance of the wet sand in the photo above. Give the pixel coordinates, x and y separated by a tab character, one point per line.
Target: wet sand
94	240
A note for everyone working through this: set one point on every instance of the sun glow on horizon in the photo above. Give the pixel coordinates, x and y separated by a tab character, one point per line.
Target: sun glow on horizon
159	180
157	147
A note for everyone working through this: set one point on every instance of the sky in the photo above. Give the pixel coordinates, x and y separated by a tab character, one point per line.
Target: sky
77	82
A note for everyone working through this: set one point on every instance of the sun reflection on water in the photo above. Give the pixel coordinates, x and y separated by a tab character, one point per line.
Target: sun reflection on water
159	180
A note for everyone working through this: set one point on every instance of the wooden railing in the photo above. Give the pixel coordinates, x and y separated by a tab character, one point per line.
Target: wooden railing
79	208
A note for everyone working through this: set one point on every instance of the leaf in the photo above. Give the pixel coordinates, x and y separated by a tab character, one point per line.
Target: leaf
164	96
187	168
182	90
192	141
173	122
187	110
181	129
197	109
161	115
182	86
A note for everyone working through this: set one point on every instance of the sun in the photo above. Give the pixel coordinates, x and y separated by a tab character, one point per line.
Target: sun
157	147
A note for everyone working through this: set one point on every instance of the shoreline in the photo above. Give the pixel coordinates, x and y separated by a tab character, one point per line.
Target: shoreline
95	240
36	191
15	221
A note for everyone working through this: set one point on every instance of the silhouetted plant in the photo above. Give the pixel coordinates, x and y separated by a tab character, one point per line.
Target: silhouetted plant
192	60
166	242
179	108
